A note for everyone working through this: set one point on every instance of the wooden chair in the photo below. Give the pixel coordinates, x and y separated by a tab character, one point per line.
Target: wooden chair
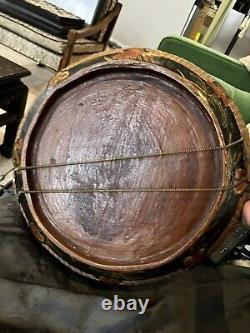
54	51
99	32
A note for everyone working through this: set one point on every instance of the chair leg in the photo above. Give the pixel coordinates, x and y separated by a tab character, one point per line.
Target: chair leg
68	52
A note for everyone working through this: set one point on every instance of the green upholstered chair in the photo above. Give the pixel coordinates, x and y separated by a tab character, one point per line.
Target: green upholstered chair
229	72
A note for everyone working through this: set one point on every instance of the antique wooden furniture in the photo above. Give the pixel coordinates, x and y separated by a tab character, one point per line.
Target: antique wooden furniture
101	31
47	43
146	168
13	95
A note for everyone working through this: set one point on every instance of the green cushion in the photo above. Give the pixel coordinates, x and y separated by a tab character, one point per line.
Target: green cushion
213	62
228	72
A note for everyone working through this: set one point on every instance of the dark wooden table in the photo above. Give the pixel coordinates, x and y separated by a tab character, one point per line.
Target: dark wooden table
13	97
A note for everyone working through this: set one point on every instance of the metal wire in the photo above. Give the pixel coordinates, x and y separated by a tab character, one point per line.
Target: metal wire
2	177
115	159
139	190
143	190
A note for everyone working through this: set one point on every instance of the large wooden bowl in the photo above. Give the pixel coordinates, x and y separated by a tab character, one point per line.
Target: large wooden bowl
127	162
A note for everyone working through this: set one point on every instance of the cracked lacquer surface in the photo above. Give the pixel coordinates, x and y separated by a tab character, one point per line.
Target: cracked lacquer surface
125	114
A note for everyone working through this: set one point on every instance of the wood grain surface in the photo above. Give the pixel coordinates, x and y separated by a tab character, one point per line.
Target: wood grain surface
117	114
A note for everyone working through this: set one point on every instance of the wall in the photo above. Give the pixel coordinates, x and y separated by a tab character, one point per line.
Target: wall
143	23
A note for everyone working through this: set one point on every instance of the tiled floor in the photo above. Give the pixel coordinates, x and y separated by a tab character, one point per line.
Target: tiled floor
36	83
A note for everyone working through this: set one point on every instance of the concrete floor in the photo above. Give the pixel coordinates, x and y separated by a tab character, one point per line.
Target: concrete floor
36	83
